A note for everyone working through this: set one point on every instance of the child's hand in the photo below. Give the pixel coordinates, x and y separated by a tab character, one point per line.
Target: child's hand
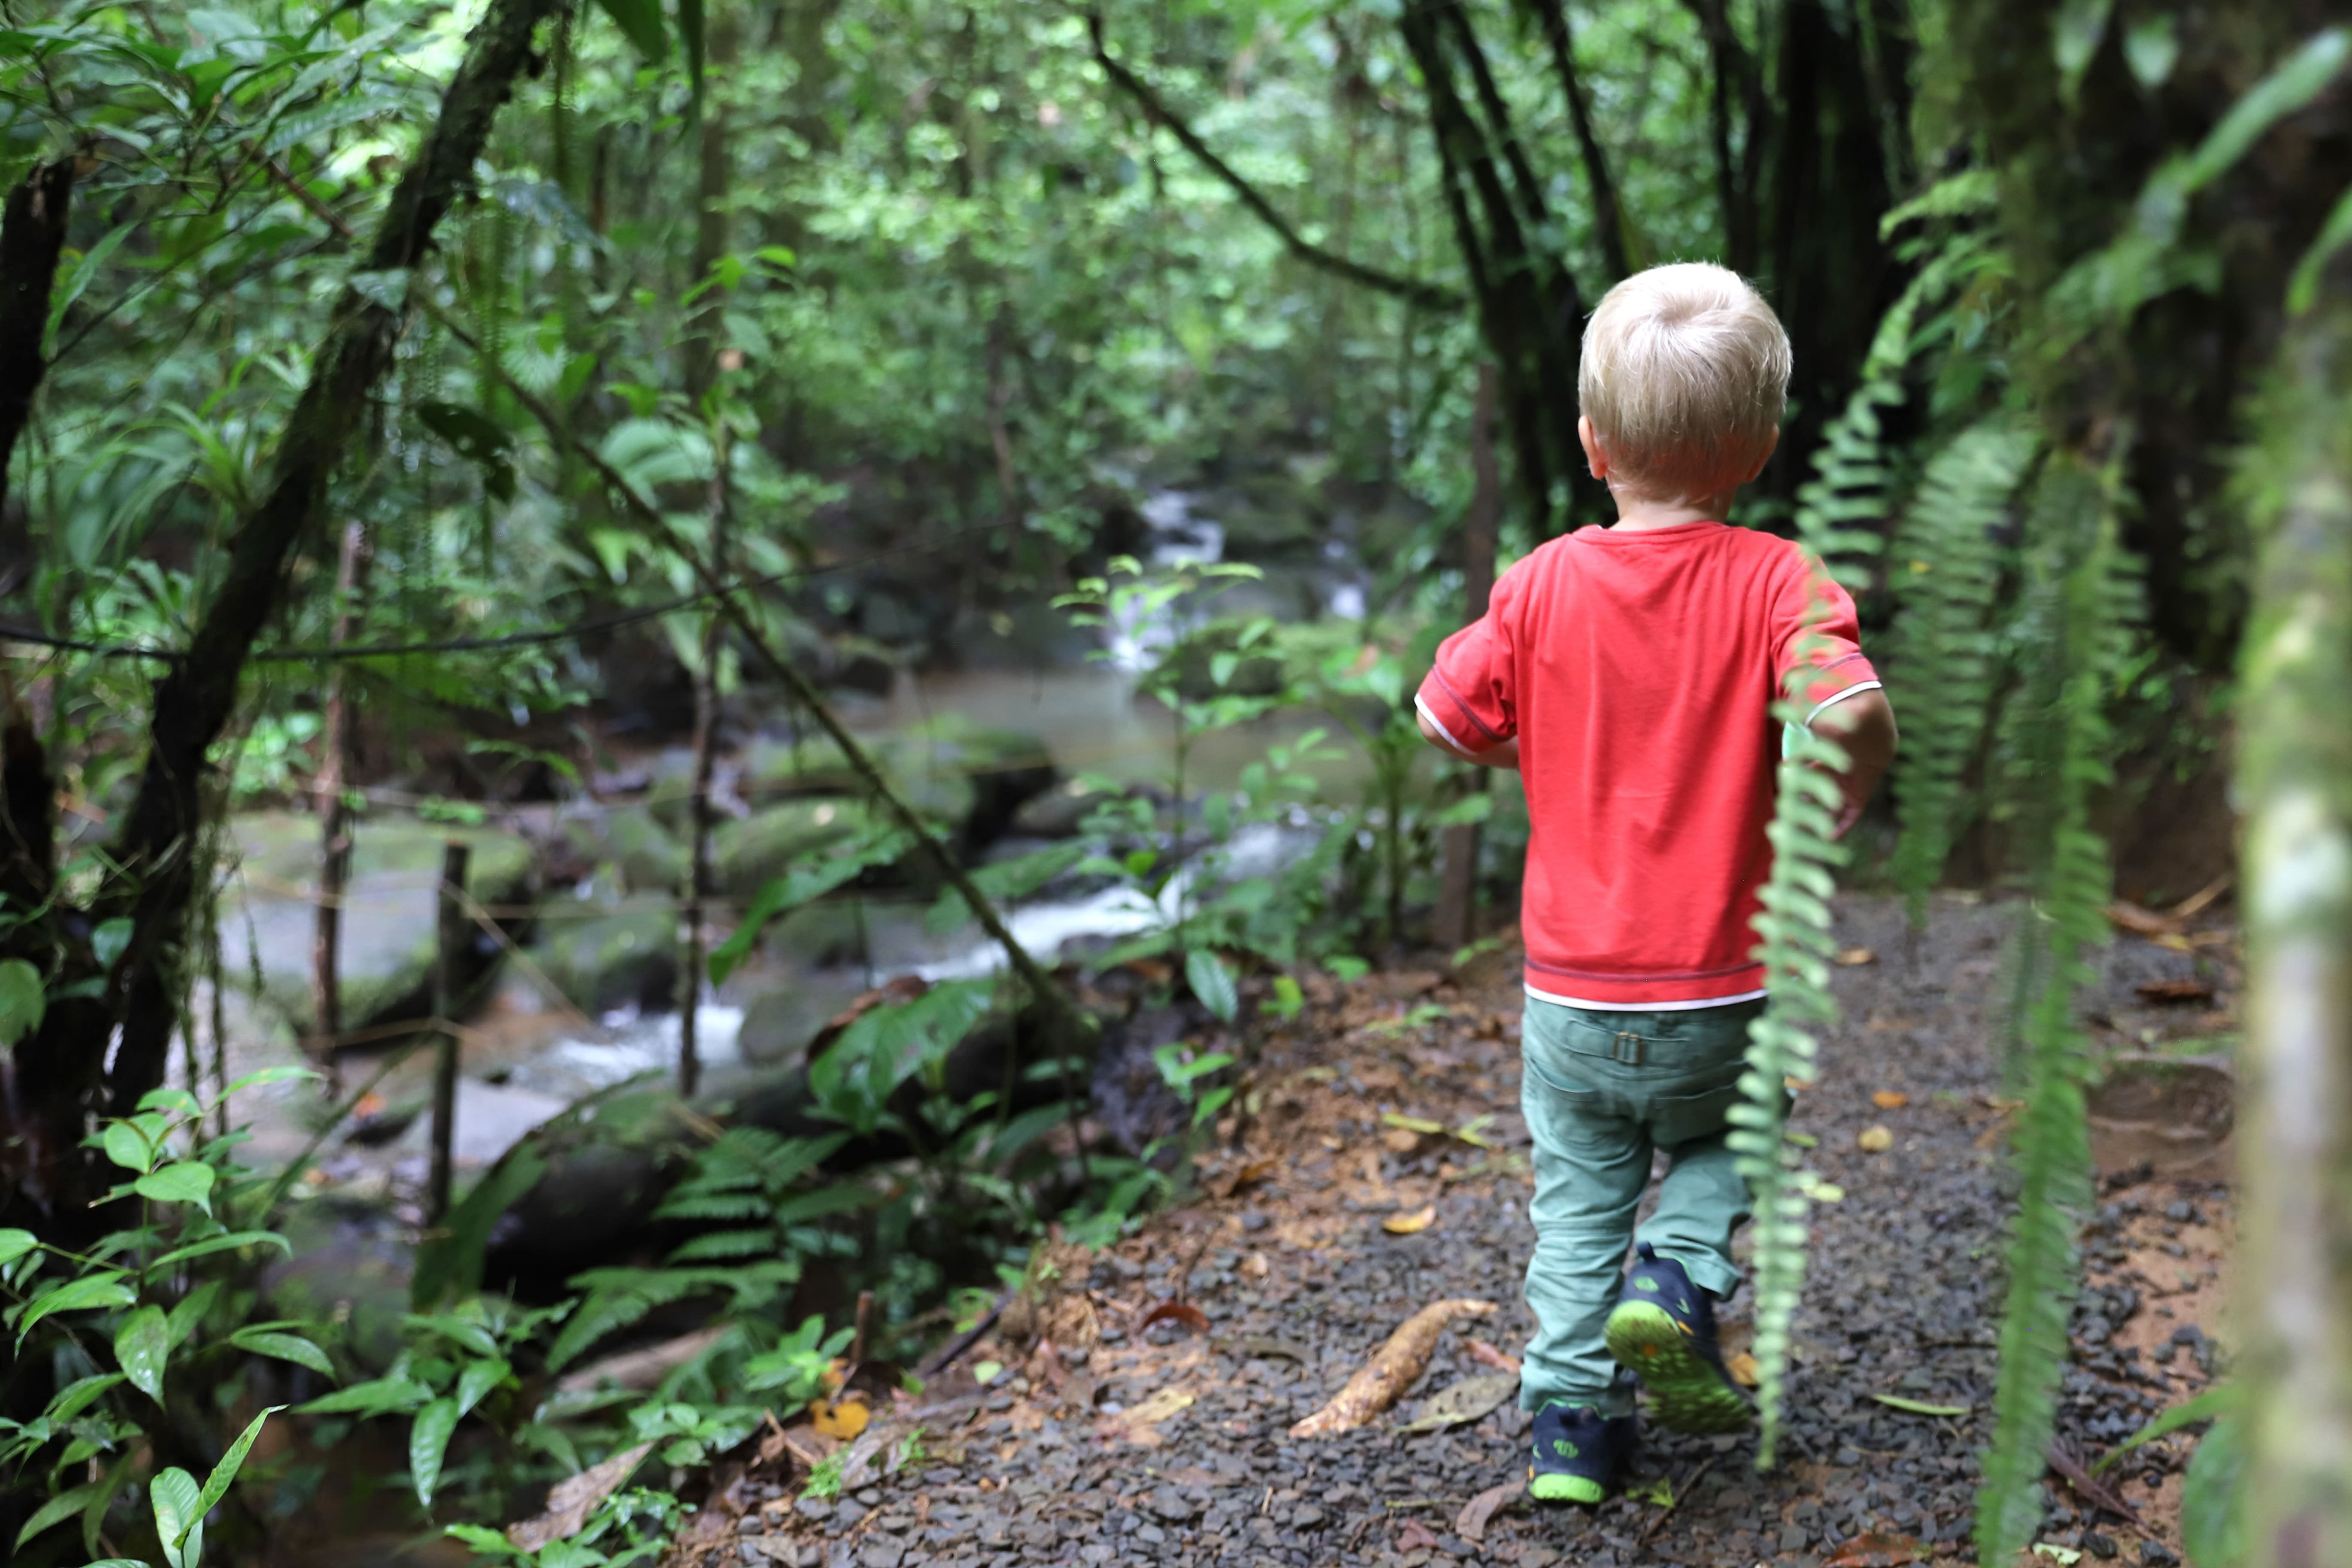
1863	724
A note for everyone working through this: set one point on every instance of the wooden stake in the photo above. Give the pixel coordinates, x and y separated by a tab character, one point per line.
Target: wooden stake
336	747
454	936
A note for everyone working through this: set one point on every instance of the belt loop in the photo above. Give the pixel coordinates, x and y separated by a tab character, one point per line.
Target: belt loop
1627	1047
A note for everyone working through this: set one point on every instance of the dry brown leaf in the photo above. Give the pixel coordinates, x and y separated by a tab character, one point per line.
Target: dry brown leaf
1400	1141
1879	1550
1890	1100
1412	1224
1157	1409
1853	956
2140	922
1470	1524
1486	1354
1416	1537
1743	1369
1469	1400
2174	991
1173	1312
1396	1366
1874	1139
572	1501
843	1420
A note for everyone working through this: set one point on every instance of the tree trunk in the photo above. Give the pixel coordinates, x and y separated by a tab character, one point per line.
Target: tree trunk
1457	897
2295	1266
32	234
337	749
1608	219
454	934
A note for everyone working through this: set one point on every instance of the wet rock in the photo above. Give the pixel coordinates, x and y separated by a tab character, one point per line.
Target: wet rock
2171	1115
627	959
627	845
746	855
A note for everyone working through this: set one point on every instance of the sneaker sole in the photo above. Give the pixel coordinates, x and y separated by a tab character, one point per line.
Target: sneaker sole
1566	1489
1688	1396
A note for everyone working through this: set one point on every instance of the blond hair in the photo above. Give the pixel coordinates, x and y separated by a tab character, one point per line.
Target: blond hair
1685	376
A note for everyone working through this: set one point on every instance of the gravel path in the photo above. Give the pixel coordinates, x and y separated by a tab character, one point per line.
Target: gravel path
1127	1443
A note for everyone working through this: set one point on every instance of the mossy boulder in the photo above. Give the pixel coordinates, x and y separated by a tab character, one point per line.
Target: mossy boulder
748	853
630	844
617	960
390	905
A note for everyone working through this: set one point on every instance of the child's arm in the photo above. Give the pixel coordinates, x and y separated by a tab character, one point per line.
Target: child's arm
1504	754
1863	724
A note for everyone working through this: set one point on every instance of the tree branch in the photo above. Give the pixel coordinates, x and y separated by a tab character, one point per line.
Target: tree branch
1423	295
154	857
32	233
1551	15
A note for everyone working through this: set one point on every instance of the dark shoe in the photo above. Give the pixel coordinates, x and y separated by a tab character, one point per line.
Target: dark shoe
1580	1456
1663	1330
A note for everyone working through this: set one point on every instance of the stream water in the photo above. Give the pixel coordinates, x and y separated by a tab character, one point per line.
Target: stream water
533	1052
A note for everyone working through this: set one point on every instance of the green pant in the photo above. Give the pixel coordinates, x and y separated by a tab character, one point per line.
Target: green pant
1602	1091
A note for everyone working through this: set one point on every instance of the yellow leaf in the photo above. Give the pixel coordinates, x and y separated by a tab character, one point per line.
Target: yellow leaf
1412	1123
1158	1409
1743	1369
844	1419
1874	1139
1412	1224
1851	956
1890	1100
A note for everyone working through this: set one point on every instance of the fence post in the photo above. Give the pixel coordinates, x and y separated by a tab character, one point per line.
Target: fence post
454	935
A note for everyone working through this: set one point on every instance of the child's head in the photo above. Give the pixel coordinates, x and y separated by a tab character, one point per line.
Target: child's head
1686	372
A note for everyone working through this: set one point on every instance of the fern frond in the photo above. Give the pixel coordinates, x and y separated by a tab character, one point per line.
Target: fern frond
1946	571
2094	600
725	1244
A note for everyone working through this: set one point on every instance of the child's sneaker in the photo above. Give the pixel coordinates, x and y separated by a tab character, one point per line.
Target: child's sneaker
1662	1330
1580	1456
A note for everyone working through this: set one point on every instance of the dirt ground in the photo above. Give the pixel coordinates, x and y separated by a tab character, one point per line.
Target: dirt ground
1375	1162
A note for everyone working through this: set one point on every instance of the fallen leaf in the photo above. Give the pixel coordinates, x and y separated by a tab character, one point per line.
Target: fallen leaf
1659	1492
845	1420
2140	922
1249	1175
1412	1224
1421	1124
1157	1409
987	1372
1470	1524
1852	957
1879	1550
1267	1346
1461	1403
1415	1537
570	1501
1183	1312
2065	1556
1874	1139
1918	1407
1394	1367
1743	1369
1890	1100
2086	1485
1397	1140
1486	1354
2174	991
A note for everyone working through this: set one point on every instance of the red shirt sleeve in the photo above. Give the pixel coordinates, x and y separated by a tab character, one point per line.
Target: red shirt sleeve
1472	691
1813	623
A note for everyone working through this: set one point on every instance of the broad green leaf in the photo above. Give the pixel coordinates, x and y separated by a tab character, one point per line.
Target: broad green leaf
14	1244
383	1396
189	1182
2213	1498
284	1347
428	1442
875	846
216	1485
22	1001
174	1495
226	1241
79	278
641	22
78	1396
108	942
478	1380
81	1295
269	1074
189	1310
1213	983
127	1146
57	1511
142	1345
458	1331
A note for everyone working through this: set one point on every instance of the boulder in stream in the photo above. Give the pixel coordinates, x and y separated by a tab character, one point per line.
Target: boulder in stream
629	845
626	958
744	855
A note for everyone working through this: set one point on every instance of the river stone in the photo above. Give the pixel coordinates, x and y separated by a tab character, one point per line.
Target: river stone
777	1029
744	855
611	961
390	909
770	768
629	844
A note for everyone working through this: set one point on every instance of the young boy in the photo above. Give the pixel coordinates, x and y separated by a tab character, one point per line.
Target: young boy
1628	674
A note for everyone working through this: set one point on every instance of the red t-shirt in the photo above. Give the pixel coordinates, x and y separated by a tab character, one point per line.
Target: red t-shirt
1638	669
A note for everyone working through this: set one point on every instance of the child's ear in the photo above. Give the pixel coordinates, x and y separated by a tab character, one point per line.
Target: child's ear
1772	445
1598	460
